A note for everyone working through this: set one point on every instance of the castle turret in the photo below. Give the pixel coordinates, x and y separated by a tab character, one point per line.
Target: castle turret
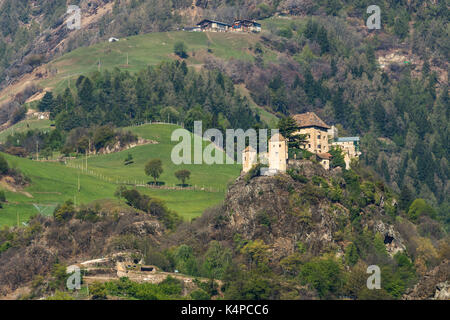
249	158
278	153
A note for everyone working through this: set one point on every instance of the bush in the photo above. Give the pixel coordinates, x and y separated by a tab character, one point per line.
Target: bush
325	275
4	167
255	171
296	176
180	49
419	208
65	211
200	295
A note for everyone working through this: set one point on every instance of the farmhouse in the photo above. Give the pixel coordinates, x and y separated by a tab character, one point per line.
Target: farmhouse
214	26
245	26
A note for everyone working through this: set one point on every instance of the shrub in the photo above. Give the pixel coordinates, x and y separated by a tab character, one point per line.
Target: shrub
65	211
296	176
4	167
420	207
255	171
324	275
200	295
180	49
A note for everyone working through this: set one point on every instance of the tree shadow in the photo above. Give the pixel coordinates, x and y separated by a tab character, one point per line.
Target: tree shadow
158	183
183	185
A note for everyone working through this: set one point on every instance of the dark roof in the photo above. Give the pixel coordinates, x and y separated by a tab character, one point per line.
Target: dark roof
309	119
213	21
247	21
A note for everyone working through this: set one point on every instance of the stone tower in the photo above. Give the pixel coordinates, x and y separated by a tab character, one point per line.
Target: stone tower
278	153
249	159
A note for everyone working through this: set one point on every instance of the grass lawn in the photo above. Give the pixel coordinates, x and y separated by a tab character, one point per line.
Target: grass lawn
202	175
24	126
144	50
53	183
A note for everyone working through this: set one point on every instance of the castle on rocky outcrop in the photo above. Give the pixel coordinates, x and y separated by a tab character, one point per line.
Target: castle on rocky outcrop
320	138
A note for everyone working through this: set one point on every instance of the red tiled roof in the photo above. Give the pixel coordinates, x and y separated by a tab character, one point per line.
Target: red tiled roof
309	119
325	155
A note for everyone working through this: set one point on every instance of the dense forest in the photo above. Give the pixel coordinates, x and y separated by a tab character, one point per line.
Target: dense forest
167	92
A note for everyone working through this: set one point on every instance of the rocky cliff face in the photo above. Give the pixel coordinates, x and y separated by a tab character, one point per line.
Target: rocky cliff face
283	212
434	285
266	208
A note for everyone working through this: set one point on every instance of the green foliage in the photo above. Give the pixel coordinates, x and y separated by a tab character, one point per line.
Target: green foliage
153	206
60	295
4	167
351	254
337	157
296	176
59	277
46	104
324	275
216	260
180	49
183	175
255	171
169	288
419	208
5	246
241	285
185	261
154	168
64	212
199	294
256	253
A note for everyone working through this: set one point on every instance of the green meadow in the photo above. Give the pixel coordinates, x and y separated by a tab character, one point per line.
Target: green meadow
53	182
112	165
24	126
137	52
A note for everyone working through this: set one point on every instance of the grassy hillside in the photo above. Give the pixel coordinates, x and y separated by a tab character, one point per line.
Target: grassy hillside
147	49
24	126
53	183
141	51
112	165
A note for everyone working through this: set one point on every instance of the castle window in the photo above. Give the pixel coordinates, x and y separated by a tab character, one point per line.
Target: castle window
319	146
318	137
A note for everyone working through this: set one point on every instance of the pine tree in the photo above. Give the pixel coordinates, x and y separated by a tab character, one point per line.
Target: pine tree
47	102
322	39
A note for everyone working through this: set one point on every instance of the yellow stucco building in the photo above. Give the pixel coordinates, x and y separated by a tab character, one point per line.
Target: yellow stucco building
315	129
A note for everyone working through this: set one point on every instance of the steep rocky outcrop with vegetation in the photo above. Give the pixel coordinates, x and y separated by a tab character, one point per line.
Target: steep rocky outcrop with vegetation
313	233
